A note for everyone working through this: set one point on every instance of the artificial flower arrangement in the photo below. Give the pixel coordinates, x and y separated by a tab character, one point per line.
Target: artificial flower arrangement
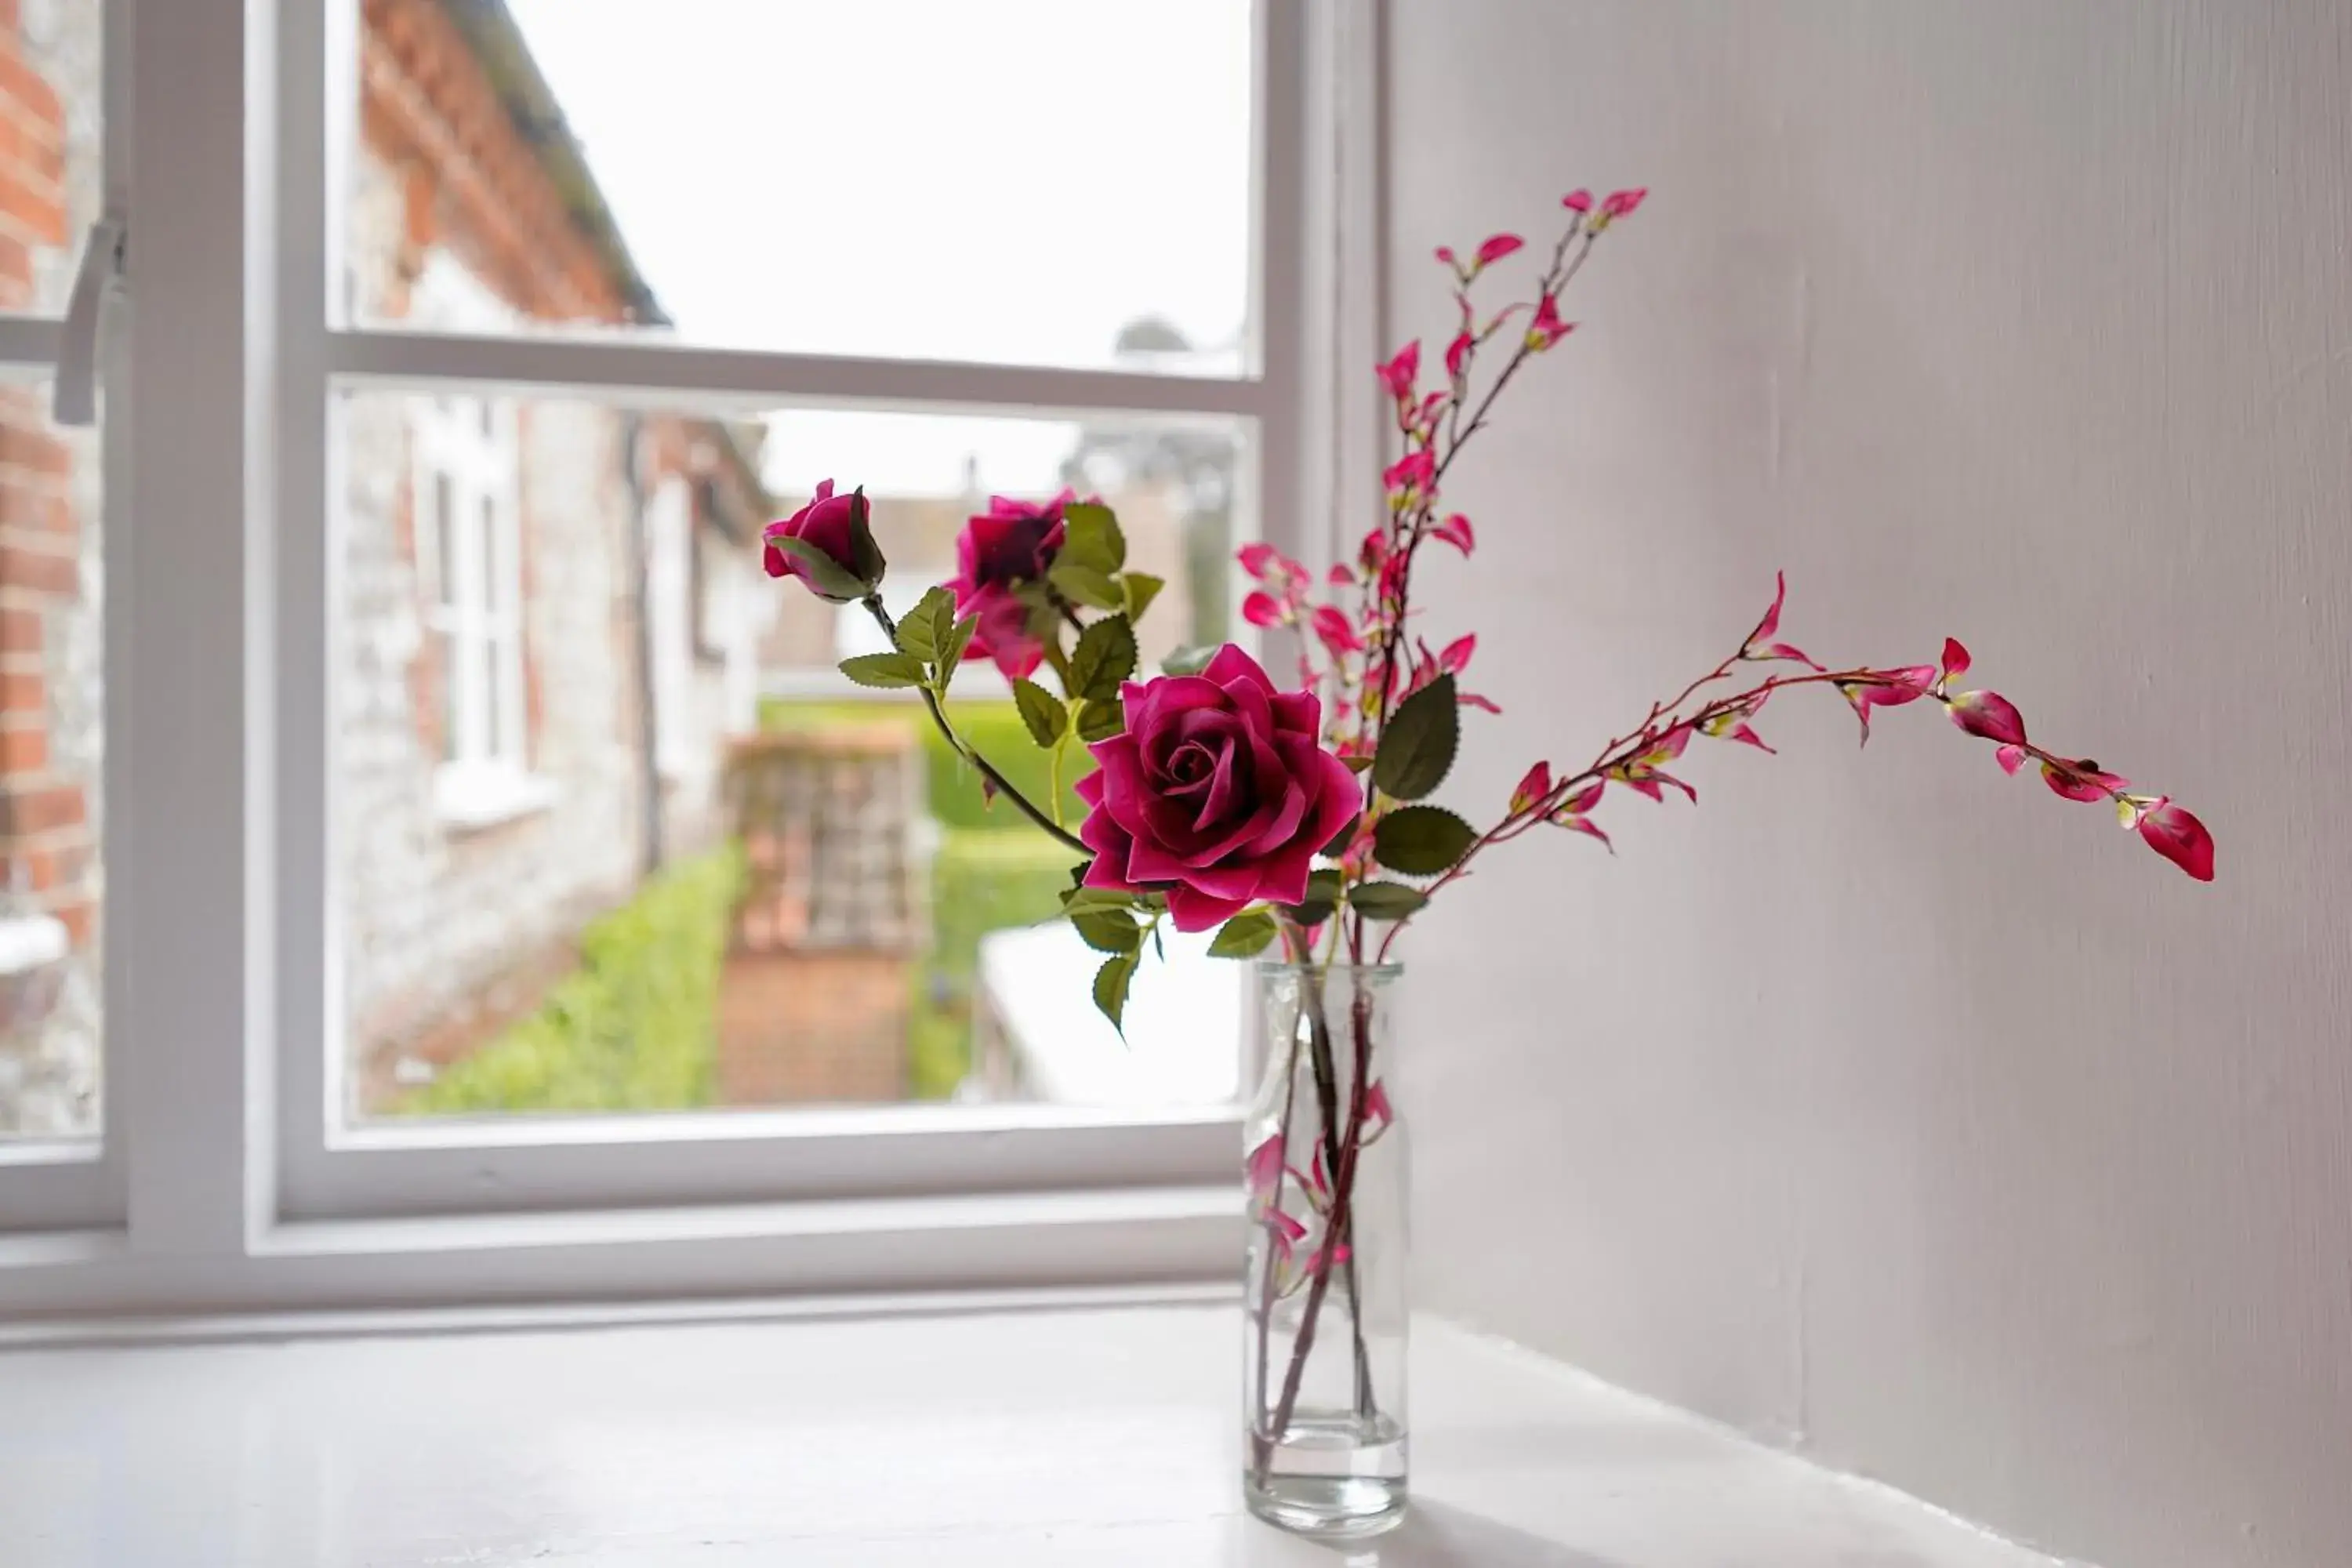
1221	800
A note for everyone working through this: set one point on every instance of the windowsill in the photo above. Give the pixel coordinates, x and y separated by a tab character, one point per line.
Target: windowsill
470	799
1037	1424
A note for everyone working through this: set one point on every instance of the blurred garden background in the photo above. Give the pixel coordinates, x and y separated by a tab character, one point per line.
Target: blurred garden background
636	1026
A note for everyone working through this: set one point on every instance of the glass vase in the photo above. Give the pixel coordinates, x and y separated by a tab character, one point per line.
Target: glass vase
1324	1368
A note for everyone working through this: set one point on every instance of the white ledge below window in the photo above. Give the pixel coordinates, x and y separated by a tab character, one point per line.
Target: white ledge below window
1068	1438
469	797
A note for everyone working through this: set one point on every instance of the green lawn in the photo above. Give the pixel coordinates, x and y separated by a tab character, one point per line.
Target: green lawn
984	881
995	729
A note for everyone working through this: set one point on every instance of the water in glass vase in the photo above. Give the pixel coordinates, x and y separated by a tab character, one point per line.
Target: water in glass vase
1325	1452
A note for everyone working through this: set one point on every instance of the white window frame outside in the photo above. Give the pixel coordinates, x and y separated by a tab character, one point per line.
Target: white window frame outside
467	448
670	613
241	1187
467	459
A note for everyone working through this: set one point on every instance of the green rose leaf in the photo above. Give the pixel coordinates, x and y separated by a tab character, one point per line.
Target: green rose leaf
865	563
1091	537
1187	661
827	578
1041	710
921	630
1109	931
1100	720
1417	746
1322	899
1141	588
1089	586
1110	988
1385	901
884	670
1082	899
1245	935
1421	840
1341	839
1357	764
1104	657
952	642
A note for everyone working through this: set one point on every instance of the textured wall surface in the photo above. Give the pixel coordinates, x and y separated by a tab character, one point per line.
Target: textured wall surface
1881	1104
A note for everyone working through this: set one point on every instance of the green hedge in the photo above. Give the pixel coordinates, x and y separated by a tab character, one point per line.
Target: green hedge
633	1029
995	729
982	881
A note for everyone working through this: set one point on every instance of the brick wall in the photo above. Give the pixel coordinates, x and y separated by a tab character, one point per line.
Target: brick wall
51	734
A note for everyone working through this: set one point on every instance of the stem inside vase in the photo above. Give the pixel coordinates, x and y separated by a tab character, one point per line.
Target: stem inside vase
1329	1072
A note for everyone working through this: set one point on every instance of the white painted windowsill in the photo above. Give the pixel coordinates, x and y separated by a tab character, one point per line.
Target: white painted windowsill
468	799
1072	1438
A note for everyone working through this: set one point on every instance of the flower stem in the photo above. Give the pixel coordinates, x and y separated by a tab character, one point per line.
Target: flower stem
1339	1225
1261	1439
964	749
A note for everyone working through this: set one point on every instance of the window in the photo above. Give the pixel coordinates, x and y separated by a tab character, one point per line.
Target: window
669	613
61	1153
468	537
458	635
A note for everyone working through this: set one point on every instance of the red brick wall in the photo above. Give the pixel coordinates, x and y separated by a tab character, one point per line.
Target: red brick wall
46	832
471	183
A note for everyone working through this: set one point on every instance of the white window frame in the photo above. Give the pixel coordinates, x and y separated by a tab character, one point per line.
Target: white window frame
242	1187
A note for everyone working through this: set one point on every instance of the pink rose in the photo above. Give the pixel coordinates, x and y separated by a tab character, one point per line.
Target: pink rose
1219	794
835	525
1013	543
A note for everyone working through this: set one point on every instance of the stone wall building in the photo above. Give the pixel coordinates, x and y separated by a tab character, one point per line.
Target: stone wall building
550	607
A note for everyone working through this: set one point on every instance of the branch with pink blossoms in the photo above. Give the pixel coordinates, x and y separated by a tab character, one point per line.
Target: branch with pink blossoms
1222	803
1637	761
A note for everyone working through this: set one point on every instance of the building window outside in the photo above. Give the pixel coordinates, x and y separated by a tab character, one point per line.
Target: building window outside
468	532
670	615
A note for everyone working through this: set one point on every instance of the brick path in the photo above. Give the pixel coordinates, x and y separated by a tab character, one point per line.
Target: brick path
815	1027
813	1003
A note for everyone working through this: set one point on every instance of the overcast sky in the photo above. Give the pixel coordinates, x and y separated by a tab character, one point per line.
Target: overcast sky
937	178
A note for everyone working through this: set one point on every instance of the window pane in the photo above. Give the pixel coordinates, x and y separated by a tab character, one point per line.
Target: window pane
53	184
728	876
1048	182
51	755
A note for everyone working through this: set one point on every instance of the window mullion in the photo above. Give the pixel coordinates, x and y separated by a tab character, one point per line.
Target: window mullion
190	1083
632	372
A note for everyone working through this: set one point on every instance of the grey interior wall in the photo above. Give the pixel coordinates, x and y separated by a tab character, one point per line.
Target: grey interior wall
1881	1104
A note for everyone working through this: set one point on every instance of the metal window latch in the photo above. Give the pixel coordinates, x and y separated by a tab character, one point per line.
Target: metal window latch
74	396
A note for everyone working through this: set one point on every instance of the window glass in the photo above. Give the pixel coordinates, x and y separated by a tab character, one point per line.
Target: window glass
52	881
725	877
51	153
1040	181
52	745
